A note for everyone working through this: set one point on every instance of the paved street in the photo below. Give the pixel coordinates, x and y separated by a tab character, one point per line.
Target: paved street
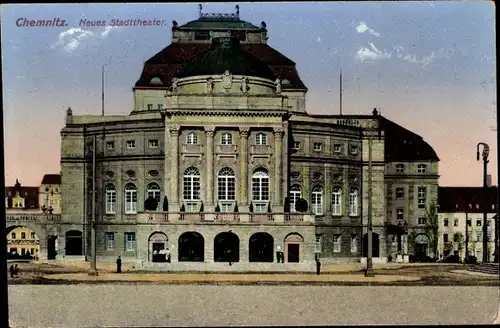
175	305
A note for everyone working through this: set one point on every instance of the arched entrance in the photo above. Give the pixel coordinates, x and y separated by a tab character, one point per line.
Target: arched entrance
191	247
157	246
375	245
293	248
260	247
74	243
22	243
226	247
421	246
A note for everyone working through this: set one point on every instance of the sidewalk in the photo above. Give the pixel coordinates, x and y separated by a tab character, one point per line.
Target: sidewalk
226	278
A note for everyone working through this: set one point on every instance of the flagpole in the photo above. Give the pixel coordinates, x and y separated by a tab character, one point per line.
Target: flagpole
341	92
102	90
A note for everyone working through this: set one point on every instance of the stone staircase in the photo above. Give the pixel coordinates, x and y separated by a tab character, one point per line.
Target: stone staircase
489	268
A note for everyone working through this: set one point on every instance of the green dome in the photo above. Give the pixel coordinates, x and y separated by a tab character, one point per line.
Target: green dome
226	54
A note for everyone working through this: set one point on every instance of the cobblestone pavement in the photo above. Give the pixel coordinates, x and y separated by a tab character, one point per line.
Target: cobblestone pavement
174	305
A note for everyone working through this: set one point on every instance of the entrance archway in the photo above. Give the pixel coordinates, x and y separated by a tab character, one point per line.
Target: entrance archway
74	244
226	247
260	247
421	246
375	245
157	247
191	247
293	248
22	243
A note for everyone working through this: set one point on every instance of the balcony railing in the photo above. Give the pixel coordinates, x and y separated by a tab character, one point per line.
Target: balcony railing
33	217
227	217
23	241
192	148
261	217
293	217
226	149
191	217
224	217
261	149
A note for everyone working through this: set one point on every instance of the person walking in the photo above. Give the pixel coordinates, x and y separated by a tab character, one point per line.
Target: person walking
16	271
12	271
318	266
118	265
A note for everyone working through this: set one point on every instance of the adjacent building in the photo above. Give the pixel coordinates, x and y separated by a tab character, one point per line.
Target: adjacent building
49	193
461	220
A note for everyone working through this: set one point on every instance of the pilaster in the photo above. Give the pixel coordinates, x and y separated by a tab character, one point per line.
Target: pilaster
173	173
278	134
209	196
243	200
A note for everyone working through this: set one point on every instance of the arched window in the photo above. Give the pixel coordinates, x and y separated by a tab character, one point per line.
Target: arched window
261	139
337	201
191	138
154	192
110	199
155	80
226	138
353	202
191	184
317	200
295	195
130	199
260	189
226	182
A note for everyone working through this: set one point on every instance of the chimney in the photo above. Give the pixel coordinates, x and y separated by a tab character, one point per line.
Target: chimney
488	180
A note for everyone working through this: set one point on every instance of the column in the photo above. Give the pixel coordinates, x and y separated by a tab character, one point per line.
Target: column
278	134
210	168
173	173
243	183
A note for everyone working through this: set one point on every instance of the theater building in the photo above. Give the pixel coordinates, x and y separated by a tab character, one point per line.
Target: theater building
220	137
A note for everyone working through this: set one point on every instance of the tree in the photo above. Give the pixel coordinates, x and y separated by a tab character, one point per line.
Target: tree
269	208
458	240
432	227
411	241
150	204
235	208
217	208
165	204
202	207
301	205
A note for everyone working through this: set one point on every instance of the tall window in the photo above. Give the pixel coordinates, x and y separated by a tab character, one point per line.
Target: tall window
110	241
23	235
354	244
317	244
261	139
295	195
422	197
317	200
336	243
226	138
260	189
191	138
400	193
337	201
154	191
353	202
130	241
110	199
191	184
33	235
226	182
400	214
130	199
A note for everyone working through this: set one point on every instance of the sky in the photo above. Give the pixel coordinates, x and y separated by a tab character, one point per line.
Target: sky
428	66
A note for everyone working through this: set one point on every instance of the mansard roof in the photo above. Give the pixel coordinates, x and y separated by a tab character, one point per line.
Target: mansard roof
54	179
218	22
466	199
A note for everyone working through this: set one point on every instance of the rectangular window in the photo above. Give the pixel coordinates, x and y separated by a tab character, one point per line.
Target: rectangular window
296	145
130	144
469	223
400	193
13	235
353	203
445	237
353	149
318	146
422	197
400	214
110	201
191	207
23	235
33	235
317	202
337	148
455	222
336	244
153	143
422	221
445	222
354	244
160	106
110	145
150	106
479	236
110	241
318	244
226	207
260	207
129	241
478	223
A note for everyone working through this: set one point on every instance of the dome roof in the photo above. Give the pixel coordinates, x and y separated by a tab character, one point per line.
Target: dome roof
225	54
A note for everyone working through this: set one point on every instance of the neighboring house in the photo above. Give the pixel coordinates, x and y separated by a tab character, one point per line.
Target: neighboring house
458	205
23	242
50	193
21	197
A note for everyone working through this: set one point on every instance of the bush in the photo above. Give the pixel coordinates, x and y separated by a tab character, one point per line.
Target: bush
150	204
471	260
301	205
451	259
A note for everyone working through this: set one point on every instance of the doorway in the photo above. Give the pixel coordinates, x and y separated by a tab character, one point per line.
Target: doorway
293	253
51	248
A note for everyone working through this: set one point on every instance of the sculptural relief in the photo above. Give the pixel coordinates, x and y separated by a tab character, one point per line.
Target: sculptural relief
227	80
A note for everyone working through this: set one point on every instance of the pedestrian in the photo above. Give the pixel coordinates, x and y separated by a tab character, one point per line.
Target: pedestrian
168	255
118	265
12	271
278	254
16	271
318	266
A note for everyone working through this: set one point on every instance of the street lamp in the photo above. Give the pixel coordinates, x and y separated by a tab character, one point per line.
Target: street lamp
486	152
369	258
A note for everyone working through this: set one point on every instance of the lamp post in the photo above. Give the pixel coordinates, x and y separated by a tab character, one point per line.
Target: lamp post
369	258
486	152
93	262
